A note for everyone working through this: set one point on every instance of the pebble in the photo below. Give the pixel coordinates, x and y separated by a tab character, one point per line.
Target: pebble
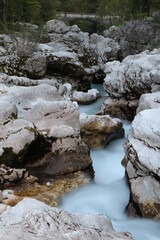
48	184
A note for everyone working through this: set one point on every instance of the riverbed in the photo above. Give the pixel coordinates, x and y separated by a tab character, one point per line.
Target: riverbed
109	192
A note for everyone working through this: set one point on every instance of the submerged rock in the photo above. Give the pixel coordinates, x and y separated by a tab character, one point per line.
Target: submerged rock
51	194
35	219
97	131
142	151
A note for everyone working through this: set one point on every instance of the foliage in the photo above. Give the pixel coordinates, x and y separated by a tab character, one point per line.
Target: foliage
128	9
40	11
32	11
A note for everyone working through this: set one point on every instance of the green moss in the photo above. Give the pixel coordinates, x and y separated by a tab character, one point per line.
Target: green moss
8	157
30	153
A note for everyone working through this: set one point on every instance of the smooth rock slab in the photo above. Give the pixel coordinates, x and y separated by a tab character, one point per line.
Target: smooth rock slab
31	219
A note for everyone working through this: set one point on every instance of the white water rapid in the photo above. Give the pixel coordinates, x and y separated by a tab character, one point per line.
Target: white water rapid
109	193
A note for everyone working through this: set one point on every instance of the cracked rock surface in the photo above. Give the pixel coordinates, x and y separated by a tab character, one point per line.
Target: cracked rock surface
142	151
37	124
126	81
31	219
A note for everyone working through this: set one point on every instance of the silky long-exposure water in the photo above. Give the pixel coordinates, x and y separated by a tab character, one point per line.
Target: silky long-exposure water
109	193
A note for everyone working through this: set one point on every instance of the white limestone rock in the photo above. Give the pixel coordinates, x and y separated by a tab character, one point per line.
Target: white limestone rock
56	26
105	48
149	101
3	208
41	115
16	135
8	111
142	151
49	117
86	97
131	77
155	77
31	219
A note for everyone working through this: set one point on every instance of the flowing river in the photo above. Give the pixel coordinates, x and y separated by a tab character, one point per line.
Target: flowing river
109	193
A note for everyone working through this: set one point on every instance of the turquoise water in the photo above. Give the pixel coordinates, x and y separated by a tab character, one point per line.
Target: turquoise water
109	193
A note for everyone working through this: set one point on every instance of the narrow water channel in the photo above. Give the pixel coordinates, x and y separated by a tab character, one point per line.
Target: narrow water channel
109	193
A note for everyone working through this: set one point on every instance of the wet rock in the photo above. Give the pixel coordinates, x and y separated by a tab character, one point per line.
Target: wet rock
48	184
145	192
86	97
58	187
35	219
97	131
119	107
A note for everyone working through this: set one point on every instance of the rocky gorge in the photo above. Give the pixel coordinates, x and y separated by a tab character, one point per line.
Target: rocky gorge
44	138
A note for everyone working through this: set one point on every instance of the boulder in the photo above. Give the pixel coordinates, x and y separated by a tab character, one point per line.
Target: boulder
126	81
67	64
36	67
135	36
149	101
56	26
97	131
67	155
86	97
41	129
104	49
119	107
142	152
31	219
